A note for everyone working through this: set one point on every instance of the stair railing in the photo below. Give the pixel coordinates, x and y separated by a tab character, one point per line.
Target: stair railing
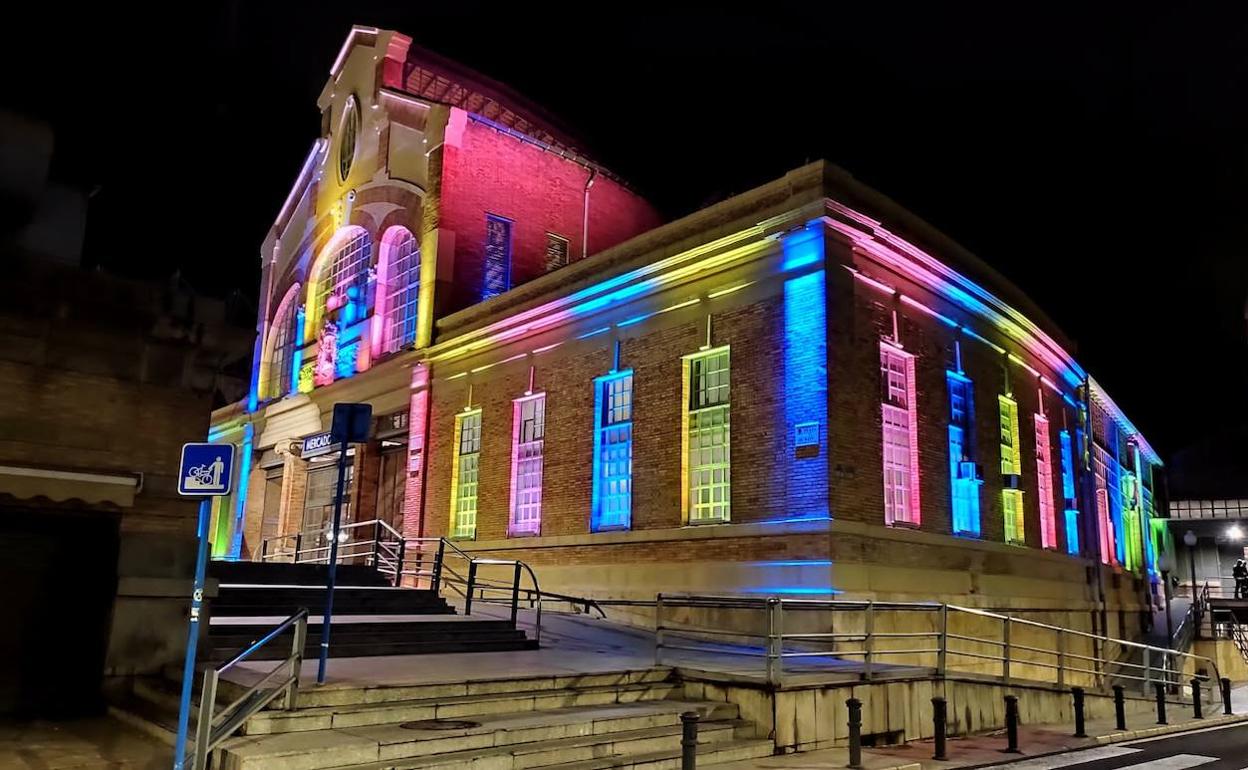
215	725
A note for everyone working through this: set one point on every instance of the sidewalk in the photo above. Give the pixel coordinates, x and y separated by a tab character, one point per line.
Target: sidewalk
982	750
93	743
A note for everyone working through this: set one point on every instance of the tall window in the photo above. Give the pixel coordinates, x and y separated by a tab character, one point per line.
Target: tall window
1011	472
901	436
613	452
496	274
402	291
1068	492
465	474
1104	522
343	280
528	437
707	437
1044	479
281	379
350	128
556	251
964	477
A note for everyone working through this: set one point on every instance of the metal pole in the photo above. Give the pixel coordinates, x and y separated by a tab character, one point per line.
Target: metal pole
689	740
192	633
298	547
327	618
398	567
297	646
1161	703
203	725
939	725
1226	696
1120	709
437	566
1011	724
515	595
1077	693
1148	669
855	733
658	630
1061	658
472	581
1005	650
1197	706
942	657
868	631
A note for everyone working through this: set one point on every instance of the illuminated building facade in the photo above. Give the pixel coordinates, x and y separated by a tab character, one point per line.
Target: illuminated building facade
803	389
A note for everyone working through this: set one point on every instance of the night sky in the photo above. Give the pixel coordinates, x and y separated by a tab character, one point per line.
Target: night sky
1099	161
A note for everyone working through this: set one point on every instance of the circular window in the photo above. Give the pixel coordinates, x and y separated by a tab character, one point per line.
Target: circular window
349	130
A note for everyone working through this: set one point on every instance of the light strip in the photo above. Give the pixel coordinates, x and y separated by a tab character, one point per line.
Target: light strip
730	289
299	185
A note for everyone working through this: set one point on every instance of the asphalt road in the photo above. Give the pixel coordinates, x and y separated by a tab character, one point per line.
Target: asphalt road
1212	749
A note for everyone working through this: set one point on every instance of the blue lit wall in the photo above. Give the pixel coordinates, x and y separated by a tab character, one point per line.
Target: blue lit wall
240	493
805	377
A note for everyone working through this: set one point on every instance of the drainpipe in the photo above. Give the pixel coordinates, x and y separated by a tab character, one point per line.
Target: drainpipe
593	174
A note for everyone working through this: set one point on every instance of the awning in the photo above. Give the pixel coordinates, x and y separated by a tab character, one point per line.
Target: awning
24	482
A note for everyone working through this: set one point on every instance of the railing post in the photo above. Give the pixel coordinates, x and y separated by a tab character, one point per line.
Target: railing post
296	661
515	595
942	654
1077	694
855	733
868	627
264	549
1011	724
1148	668
1197	706
1120	709
939	725
298	547
1061	659
203	725
376	543
437	566
775	640
1005	651
472	583
1161	704
689	740
658	630
1226	695
398	565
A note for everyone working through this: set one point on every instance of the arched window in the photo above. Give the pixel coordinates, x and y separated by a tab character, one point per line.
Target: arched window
401	274
282	336
342	280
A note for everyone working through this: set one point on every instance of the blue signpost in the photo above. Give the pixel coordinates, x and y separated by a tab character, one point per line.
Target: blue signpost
206	472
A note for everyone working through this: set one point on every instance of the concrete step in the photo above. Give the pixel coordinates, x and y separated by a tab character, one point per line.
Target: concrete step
346	695
351	747
300	574
367	713
372	635
260	599
736	750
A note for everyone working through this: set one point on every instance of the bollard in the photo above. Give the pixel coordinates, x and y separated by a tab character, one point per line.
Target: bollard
689	740
1077	692
939	723
1011	724
1120	709
855	733
1226	696
1161	703
1197	706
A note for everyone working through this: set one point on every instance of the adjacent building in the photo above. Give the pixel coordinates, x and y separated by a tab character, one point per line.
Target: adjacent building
802	390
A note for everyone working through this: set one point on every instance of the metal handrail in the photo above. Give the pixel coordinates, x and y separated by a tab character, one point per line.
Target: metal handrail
236	714
1157	663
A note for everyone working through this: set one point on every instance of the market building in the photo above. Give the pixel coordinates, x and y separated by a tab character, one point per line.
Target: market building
801	390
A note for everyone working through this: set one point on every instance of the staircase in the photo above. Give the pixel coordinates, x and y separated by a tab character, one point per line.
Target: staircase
370	616
585	722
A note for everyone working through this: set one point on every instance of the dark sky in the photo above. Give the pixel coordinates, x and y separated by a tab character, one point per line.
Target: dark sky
1098	159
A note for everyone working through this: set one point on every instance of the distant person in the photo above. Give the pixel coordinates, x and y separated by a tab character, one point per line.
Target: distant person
1240	573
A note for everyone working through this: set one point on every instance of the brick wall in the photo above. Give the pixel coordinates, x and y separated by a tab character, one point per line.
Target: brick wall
491	172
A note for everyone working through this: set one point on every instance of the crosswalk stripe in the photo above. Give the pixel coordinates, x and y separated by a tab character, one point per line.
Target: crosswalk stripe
1067	759
1175	762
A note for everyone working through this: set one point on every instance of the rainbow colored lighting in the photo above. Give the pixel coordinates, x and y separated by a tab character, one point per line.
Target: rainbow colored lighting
244	476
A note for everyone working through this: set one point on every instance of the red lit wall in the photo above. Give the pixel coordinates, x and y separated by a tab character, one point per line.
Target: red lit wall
486	171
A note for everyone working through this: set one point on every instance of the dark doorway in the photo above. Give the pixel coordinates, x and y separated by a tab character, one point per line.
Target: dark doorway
59	578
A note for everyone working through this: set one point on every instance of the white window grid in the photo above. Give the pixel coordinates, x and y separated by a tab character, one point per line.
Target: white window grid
898	432
468	474
347	268
530	416
709	438
615	453
1009	431
1044	478
556	251
403	293
283	349
496	272
1012	504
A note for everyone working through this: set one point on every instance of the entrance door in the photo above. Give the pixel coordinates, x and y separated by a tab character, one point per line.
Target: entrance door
271	516
59	578
391	486
318	509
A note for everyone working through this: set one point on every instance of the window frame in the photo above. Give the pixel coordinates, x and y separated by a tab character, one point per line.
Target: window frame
527	464
463	463
900	467
488	291
612	430
1044	482
699	436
